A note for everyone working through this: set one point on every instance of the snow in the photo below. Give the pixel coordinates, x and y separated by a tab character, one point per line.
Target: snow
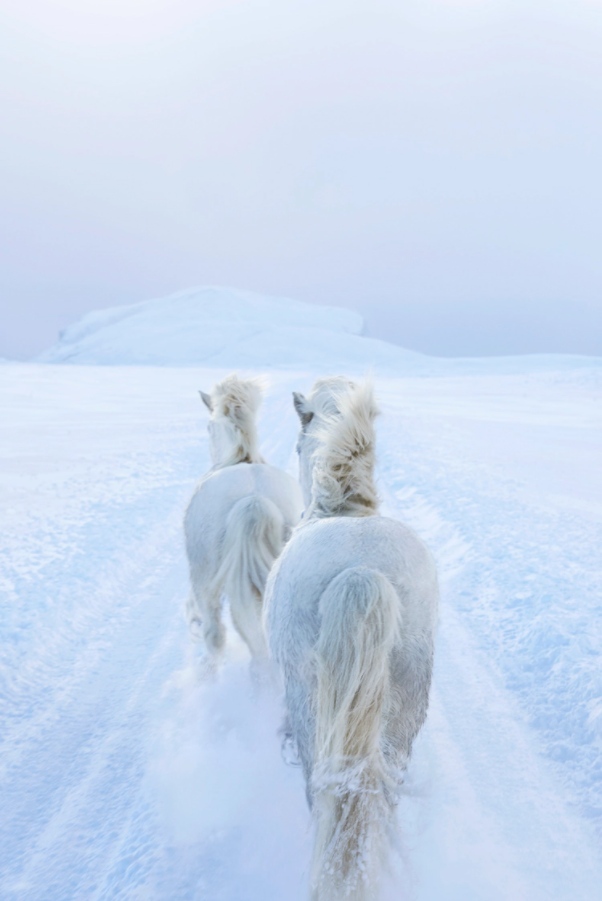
124	777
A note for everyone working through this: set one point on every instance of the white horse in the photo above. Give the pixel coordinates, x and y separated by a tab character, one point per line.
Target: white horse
350	607
237	522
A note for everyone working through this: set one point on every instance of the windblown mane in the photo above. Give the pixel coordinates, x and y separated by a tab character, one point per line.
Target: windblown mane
326	394
343	480
238	401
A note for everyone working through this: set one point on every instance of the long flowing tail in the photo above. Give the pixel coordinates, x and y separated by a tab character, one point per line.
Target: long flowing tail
254	538
360	623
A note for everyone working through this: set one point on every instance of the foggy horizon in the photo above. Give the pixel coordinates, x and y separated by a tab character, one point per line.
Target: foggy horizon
433	165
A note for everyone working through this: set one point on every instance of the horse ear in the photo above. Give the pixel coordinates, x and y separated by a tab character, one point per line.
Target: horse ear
301	406
207	401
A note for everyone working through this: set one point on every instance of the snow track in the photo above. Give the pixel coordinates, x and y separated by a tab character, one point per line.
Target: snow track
122	777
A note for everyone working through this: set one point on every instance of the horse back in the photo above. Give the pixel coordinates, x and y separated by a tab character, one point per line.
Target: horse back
321	550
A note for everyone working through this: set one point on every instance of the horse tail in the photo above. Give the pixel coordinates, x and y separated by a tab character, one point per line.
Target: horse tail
253	539
360	624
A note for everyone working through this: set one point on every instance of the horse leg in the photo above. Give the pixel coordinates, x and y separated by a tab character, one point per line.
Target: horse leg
204	613
213	628
246	616
410	685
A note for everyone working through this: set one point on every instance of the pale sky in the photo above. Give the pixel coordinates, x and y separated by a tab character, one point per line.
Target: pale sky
434	164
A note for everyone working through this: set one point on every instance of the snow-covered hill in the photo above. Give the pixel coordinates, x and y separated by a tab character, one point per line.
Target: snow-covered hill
223	327
219	327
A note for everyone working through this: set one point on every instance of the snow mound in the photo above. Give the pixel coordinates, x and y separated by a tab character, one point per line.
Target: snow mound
224	327
200	325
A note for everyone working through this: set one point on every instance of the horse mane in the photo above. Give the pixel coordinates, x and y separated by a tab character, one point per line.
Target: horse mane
343	480
238	401
326	393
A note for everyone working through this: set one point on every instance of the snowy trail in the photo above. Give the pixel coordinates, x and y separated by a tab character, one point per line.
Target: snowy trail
501	810
109	747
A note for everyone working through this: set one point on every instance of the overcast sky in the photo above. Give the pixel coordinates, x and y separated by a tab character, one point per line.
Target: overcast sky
435	164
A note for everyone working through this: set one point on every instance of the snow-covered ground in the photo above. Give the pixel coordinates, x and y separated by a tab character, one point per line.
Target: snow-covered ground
123	777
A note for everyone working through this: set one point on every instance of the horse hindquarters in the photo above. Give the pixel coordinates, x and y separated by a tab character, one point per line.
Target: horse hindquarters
252	541
360	614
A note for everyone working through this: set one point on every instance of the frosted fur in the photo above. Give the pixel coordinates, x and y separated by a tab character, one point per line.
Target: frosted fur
237	522
351	608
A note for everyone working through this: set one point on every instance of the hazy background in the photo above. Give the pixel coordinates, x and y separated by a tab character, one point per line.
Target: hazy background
434	164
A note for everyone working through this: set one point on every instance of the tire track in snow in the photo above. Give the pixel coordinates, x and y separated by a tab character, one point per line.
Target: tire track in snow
498	808
64	713
530	595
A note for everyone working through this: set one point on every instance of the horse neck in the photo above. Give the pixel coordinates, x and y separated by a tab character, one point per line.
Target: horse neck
328	504
343	475
343	488
245	448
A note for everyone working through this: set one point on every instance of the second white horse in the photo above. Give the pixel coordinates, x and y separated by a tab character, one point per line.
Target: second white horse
238	520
